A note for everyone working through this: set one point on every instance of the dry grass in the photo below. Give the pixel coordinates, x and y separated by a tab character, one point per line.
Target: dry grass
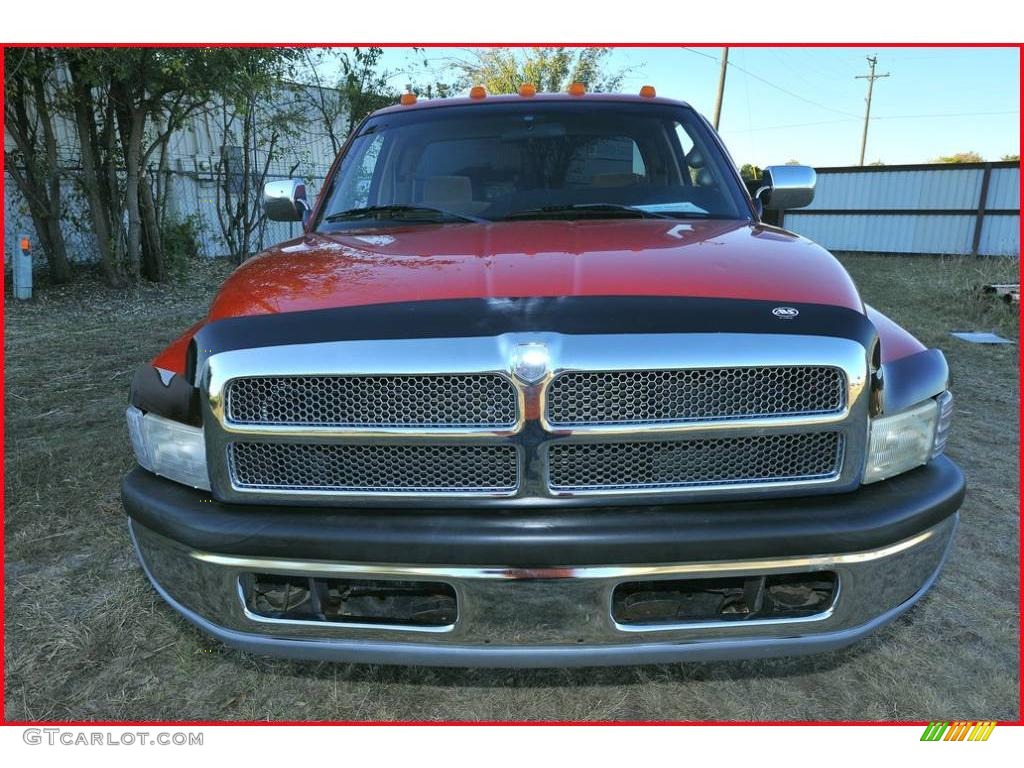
86	638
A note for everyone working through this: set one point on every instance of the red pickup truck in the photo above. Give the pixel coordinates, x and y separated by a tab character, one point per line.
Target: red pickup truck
537	386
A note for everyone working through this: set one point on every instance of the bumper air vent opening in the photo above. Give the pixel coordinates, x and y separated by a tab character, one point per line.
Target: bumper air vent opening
422	604
734	598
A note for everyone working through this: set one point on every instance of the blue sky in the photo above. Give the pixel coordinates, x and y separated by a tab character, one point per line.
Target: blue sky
805	103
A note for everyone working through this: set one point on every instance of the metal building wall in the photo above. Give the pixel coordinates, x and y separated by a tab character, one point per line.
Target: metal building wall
928	209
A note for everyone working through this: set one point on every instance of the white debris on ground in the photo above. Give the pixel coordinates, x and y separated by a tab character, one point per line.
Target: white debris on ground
980	337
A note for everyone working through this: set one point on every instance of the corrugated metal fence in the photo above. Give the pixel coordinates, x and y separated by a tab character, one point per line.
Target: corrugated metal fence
964	209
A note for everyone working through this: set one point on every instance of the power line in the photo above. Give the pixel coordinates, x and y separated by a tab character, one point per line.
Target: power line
770	84
700	53
884	117
804	125
790	93
949	114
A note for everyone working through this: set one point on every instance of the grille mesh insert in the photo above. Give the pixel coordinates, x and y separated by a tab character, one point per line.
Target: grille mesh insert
374	468
470	400
698	462
644	397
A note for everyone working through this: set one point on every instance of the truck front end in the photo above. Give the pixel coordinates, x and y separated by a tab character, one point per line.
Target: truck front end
536	387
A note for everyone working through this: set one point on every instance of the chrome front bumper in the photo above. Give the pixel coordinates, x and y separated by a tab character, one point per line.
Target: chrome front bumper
544	617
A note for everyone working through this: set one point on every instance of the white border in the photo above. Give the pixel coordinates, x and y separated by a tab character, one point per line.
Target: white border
516	747
540	21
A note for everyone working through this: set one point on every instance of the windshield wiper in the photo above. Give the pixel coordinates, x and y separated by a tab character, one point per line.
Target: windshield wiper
554	210
400	211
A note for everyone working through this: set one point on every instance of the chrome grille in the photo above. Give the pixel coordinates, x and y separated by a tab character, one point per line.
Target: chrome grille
698	462
374	468
471	400
702	394
439	423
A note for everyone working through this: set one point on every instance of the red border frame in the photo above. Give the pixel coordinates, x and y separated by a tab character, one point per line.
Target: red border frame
3	711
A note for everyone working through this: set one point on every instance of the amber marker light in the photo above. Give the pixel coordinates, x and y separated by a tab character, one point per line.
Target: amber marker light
648	92
477	92
577	89
527	90
407	99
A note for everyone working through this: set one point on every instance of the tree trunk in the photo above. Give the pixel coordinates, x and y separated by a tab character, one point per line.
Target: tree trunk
248	149
132	146
60	268
153	266
163	183
94	181
112	189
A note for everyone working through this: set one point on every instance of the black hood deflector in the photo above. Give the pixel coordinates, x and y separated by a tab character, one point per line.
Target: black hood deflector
464	318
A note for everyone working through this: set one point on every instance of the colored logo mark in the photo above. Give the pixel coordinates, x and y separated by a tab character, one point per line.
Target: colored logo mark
960	730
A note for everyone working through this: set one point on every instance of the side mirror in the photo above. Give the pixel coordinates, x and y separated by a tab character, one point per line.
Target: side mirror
285	200
784	187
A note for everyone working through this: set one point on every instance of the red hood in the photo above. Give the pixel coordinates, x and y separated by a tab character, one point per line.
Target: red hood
645	257
648	257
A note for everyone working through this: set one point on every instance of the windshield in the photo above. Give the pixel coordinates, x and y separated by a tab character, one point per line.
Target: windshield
545	160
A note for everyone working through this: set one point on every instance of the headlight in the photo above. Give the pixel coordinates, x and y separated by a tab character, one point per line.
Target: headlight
905	440
165	447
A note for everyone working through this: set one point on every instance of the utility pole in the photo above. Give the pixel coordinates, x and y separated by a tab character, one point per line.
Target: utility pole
870	77
721	85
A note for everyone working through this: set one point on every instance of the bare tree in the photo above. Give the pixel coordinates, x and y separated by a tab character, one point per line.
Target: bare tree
360	88
252	129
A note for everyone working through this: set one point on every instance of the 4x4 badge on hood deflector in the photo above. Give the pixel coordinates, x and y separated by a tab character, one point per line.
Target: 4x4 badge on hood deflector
785	313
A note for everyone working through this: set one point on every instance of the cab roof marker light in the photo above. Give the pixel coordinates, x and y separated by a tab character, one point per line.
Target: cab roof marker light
477	92
526	90
407	99
648	92
577	89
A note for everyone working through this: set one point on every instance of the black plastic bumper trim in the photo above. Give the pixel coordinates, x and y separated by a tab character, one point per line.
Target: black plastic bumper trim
871	517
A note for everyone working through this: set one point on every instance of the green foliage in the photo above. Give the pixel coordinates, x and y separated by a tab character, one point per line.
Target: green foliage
436	90
180	238
235	74
363	86
503	70
1011	158
961	157
751	172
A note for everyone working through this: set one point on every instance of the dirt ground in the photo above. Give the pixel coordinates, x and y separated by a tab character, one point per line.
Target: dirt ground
87	638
